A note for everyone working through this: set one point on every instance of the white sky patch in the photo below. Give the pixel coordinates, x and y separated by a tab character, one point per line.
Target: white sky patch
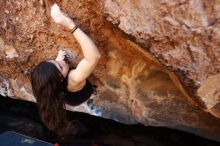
86	107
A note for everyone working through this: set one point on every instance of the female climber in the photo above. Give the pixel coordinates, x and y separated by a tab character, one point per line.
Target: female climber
54	84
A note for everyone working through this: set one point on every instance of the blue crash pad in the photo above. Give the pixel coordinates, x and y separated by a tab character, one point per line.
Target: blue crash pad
11	138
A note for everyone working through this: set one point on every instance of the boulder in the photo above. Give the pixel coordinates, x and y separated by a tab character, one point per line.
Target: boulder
155	67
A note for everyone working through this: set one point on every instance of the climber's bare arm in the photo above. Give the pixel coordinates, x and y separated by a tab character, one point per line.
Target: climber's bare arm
91	54
88	63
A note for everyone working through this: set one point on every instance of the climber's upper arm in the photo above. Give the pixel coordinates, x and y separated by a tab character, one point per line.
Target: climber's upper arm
82	71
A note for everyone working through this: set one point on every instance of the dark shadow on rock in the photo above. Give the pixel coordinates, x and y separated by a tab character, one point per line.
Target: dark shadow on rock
22	116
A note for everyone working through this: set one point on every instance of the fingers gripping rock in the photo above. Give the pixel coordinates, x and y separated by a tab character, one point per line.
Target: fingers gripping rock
60	18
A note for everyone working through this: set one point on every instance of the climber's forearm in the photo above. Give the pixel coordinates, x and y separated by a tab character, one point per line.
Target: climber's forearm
89	49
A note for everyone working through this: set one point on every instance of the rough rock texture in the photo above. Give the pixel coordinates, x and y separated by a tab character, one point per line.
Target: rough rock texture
184	35
132	85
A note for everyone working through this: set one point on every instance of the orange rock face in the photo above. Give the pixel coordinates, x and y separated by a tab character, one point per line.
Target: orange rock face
135	84
182	35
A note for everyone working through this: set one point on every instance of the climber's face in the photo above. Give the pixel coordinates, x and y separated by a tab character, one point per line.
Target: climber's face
62	66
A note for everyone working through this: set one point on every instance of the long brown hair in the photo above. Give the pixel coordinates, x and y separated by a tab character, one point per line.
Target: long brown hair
45	80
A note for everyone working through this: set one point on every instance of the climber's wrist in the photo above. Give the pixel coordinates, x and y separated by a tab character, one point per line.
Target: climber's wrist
74	29
71	26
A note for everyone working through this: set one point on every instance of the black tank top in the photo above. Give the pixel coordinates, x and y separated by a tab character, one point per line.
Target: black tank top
78	97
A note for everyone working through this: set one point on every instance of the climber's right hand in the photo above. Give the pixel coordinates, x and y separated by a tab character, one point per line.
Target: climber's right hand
60	18
61	55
